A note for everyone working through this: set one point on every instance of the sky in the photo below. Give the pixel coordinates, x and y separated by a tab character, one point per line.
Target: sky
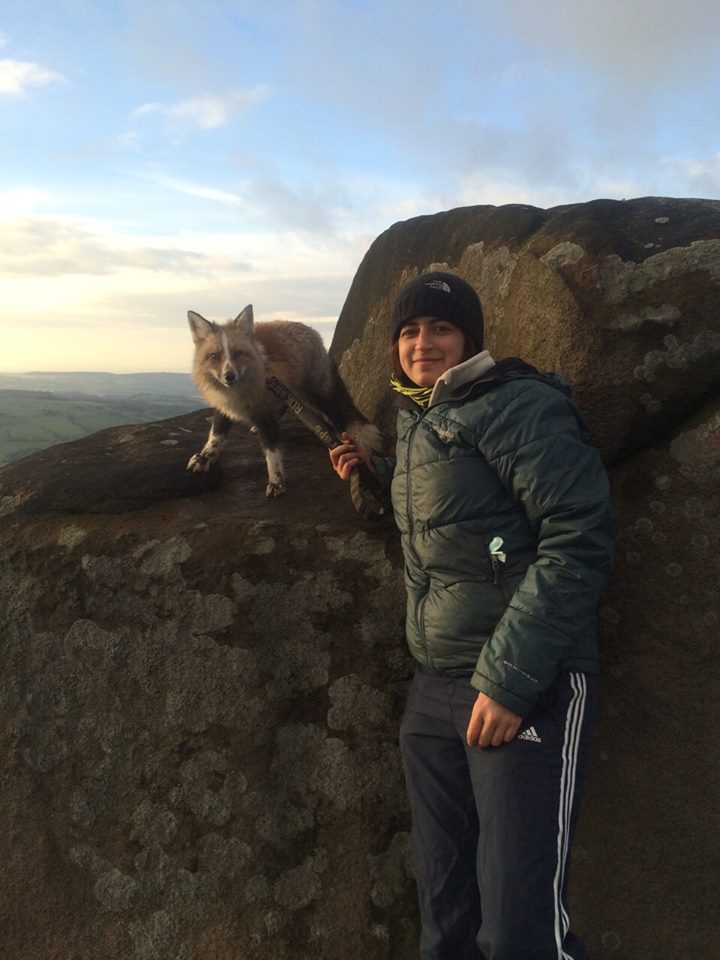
162	156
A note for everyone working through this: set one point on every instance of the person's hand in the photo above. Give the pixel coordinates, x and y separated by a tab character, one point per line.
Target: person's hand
345	457
491	724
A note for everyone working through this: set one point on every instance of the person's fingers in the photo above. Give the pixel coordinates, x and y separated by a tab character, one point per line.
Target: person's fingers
498	737
472	733
511	731
344	459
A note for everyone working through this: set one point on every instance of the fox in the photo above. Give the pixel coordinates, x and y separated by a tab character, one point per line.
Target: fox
231	364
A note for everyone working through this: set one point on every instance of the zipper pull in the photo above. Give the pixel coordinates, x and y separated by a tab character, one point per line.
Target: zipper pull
497	557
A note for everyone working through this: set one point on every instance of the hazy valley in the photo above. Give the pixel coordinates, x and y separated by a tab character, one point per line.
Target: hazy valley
38	410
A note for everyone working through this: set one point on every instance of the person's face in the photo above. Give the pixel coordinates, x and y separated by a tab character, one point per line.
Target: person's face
427	347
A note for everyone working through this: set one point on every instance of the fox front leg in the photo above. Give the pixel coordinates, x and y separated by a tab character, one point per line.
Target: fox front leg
202	462
269	432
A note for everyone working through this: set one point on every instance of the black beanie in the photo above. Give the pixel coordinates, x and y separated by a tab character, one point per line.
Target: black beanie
442	295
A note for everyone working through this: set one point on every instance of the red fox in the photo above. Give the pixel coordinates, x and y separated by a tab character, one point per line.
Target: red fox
232	361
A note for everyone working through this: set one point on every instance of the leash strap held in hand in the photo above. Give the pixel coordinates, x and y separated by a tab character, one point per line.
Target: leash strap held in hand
365	489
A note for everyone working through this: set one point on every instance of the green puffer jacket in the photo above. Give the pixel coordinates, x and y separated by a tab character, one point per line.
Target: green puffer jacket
502	463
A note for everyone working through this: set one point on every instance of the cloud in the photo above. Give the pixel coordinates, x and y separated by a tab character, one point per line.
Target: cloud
315	207
315	298
545	90
21	202
191	189
17	77
651	43
700	177
55	248
497	190
103	288
206	112
289	204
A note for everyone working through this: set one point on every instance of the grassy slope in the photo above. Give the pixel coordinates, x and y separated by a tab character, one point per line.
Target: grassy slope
31	421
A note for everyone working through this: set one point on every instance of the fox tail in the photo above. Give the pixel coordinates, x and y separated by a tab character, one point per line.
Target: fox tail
342	413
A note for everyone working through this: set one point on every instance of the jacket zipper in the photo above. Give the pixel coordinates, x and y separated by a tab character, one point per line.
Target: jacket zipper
419	606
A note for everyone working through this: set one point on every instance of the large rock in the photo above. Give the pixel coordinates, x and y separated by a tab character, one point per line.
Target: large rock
623	297
648	850
199	700
201	688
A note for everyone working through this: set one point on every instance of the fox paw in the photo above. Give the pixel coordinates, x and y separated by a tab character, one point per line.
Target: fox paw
199	463
275	489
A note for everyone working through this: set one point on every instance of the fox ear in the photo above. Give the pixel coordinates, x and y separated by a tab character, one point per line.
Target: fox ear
199	326
244	320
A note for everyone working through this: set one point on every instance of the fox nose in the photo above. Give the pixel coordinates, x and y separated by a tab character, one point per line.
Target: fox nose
229	376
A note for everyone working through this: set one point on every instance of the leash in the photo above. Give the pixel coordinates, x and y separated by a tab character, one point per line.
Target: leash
366	490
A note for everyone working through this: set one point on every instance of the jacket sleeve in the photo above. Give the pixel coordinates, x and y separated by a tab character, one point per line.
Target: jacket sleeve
384	468
537	446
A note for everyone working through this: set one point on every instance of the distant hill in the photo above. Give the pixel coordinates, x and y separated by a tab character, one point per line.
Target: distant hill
103	384
38	410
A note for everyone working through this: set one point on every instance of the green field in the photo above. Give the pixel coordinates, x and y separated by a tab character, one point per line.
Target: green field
31	421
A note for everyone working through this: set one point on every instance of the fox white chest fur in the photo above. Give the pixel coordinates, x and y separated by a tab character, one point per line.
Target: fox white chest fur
231	364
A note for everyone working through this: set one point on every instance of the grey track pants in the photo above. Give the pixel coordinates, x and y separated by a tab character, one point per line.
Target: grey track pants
491	827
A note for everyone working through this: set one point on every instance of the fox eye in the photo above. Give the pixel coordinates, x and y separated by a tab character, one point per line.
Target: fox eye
213	356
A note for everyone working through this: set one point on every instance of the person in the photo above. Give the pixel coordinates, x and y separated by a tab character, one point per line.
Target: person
504	513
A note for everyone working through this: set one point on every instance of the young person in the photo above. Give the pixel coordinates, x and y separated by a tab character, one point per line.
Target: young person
504	513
